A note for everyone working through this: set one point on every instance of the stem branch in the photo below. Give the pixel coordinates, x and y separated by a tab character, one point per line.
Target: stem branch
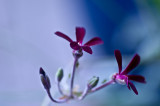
84	94
56	101
59	88
73	74
102	86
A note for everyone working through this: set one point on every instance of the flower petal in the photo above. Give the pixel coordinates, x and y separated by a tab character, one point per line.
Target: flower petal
127	82
87	49
128	86
133	87
63	36
75	46
80	32
137	78
94	41
118	56
134	62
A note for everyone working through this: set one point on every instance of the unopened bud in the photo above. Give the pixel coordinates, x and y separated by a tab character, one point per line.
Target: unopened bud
93	82
59	74
45	79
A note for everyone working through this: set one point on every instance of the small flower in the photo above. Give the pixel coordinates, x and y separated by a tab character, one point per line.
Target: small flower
122	77
77	45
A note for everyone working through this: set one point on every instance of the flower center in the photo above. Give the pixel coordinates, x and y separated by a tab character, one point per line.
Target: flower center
79	44
121	79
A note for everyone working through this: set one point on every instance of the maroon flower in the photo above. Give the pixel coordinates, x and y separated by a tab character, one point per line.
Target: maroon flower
122	77
77	45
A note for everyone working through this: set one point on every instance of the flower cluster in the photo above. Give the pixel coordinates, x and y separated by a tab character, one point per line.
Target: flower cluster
78	47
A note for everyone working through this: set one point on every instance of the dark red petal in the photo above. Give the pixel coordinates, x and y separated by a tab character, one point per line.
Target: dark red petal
63	36
87	49
80	32
75	46
128	86
94	41
137	78
134	62
127	83
118	56
133	88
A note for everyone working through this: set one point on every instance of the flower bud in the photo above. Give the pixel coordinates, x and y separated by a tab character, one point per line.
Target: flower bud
45	79
59	74
93	82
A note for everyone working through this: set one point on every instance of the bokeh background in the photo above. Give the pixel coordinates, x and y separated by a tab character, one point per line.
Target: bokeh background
27	42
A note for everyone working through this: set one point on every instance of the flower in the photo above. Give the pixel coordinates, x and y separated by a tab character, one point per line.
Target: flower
122	77
77	45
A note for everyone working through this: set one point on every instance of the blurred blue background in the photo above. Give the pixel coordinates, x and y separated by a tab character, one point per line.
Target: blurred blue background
27	42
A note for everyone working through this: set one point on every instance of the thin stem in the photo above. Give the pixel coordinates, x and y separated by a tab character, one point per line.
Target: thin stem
73	74
102	86
84	94
56	101
87	90
59	88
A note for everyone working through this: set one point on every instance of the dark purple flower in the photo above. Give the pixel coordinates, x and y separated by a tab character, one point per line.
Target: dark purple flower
122	77
77	45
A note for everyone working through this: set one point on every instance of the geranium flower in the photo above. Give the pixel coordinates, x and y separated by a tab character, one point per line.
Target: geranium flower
77	45
122	77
